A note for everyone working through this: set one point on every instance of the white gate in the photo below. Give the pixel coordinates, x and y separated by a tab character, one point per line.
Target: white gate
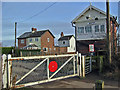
88	65
26	71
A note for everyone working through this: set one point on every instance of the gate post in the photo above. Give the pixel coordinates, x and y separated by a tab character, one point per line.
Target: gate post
80	66
4	71
74	64
90	63
9	72
77	64
83	66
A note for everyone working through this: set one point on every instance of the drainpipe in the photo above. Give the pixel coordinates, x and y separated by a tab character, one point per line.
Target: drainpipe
75	34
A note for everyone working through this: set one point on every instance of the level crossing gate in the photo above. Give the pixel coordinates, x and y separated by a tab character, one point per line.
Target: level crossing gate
20	72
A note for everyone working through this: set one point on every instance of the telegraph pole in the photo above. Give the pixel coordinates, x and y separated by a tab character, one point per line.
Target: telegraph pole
108	32
15	33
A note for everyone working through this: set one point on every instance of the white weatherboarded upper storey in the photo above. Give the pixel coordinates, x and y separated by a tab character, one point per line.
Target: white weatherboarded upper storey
90	24
99	13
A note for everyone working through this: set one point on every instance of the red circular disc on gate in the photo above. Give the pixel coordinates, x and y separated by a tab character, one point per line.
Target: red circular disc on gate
53	66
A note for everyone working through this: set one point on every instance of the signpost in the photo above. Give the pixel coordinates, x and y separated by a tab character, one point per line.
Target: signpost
91	50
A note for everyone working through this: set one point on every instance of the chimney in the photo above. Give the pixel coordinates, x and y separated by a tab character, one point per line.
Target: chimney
34	29
62	34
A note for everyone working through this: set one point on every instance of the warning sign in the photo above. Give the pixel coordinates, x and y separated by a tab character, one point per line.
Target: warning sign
53	66
91	48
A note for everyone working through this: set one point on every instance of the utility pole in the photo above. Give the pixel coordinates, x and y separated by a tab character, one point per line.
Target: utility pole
108	32
113	32
15	33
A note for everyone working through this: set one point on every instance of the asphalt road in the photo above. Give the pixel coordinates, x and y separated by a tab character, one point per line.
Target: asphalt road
88	82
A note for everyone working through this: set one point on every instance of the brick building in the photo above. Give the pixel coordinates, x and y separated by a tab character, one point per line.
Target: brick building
43	40
90	28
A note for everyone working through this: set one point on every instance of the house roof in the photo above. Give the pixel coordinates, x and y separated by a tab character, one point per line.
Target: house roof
87	9
35	34
65	37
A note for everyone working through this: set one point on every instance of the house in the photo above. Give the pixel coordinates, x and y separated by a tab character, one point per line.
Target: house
90	28
66	43
43	40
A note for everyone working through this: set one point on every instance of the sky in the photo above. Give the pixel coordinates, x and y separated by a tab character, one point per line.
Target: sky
55	16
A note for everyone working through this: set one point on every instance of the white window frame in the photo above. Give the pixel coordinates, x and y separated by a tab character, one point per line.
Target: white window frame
36	39
54	49
101	28
22	41
98	30
88	31
80	30
48	39
50	49
30	40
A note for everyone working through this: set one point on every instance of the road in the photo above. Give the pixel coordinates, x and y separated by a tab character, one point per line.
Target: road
88	82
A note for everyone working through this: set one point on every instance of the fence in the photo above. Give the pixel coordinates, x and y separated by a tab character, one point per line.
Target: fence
26	71
88	65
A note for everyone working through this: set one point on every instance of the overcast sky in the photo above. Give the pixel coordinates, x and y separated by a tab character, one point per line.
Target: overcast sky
56	17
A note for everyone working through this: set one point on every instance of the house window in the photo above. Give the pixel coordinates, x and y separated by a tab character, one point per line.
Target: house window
30	39
63	42
102	28
88	29
80	29
48	39
54	48
22	41
45	49
97	28
36	39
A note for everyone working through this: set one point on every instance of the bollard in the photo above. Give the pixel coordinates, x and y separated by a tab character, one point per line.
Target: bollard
99	85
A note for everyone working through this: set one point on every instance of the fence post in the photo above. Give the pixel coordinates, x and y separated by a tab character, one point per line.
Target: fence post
101	64
4	71
21	53
9	72
80	66
83	66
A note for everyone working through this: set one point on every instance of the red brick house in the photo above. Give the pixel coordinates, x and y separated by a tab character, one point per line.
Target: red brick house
43	40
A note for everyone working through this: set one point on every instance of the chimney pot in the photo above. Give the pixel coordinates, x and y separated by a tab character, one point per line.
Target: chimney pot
34	29
62	34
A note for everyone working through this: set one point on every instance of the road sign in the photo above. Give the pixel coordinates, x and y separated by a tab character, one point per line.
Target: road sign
91	48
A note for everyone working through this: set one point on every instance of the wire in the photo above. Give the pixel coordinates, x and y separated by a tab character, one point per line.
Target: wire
39	12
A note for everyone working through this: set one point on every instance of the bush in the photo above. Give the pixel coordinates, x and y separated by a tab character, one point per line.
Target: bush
114	64
7	50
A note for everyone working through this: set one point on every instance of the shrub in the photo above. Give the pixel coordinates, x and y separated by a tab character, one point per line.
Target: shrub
7	50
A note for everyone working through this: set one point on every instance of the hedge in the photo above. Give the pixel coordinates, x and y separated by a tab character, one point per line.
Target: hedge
6	50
